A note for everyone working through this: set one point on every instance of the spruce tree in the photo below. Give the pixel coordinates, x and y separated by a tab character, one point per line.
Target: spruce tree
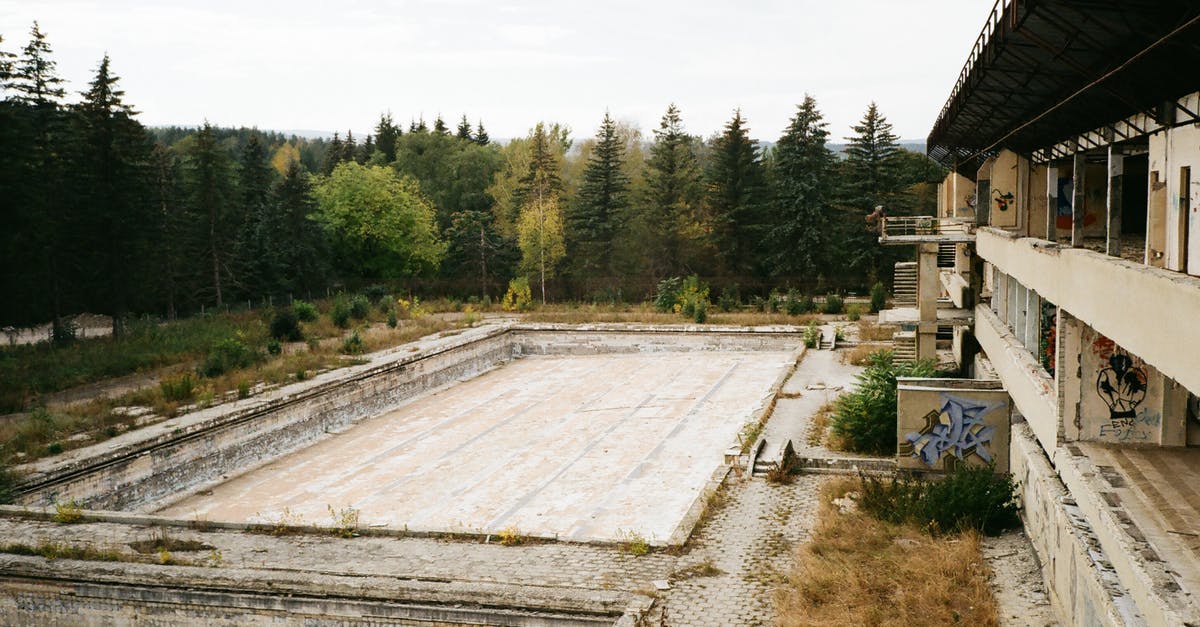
386	134
464	129
870	178
735	178
33	76
349	147
333	155
259	269
803	174
673	192
541	181
600	204
208	190
302	247
172	254
114	169
481	135
439	126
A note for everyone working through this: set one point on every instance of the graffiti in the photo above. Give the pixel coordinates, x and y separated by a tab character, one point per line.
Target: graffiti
1140	427
1122	387
957	430
1002	200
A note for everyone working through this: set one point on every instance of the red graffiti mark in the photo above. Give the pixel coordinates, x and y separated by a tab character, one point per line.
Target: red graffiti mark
1103	347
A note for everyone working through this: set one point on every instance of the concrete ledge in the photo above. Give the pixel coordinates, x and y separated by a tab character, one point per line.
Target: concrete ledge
40	590
1031	388
846	465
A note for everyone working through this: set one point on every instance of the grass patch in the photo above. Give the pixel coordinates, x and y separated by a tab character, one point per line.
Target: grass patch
164	541
969	498
858	570
632	542
861	355
57	550
871	332
818	433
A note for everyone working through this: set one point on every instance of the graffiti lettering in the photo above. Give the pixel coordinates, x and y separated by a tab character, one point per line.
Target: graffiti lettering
956	429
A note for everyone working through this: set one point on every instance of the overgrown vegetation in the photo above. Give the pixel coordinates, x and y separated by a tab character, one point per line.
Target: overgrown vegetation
865	419
859	570
968	498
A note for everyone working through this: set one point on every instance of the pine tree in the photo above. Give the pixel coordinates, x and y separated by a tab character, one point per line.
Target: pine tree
464	129
601	203
349	147
6	67
33	76
333	155
259	269
803	171
115	157
302	249
208	189
365	151
171	255
481	135
386	134
870	178
439	126
541	181
673	191
735	181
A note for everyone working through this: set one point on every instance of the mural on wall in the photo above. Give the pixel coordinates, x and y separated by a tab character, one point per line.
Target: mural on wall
953	433
1062	217
1123	384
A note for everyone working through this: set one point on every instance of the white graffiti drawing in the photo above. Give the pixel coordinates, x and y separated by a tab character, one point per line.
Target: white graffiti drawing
956	429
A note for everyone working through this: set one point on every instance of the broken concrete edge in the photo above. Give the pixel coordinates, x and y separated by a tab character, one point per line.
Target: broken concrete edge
1083	585
1141	570
763	413
321	587
845	465
687	525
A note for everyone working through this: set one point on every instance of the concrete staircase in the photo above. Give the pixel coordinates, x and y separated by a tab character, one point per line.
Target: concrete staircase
945	258
905	350
828	339
904	284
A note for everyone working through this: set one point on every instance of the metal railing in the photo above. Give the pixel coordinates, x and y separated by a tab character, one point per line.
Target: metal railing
901	226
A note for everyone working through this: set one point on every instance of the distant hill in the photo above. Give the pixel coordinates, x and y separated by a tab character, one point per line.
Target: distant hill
912	145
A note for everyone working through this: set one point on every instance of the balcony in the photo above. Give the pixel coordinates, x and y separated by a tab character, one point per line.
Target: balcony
902	230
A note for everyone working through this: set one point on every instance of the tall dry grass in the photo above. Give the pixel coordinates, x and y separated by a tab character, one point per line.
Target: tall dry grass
857	570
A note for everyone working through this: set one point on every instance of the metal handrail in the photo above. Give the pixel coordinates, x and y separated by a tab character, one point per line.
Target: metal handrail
999	12
924	225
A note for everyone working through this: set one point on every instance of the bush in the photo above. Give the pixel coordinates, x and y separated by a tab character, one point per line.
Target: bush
833	304
352	345
339	312
730	299
286	326
518	297
776	301
968	497
359	307
305	311
878	297
700	312
178	389
228	354
812	335
798	303
865	419
274	347
667	294
376	293
854	312
693	298
391	318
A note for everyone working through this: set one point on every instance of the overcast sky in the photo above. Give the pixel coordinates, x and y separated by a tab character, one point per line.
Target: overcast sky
323	65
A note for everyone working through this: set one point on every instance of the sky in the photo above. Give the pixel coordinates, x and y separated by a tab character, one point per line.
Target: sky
321	65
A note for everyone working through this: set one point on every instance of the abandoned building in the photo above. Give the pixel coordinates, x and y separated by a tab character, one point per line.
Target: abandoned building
1063	266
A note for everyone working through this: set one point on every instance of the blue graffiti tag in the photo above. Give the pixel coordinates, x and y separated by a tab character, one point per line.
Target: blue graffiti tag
957	429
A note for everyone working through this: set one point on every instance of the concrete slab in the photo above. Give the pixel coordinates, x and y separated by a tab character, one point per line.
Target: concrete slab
582	448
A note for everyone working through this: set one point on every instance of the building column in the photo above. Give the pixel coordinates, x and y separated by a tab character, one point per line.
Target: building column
1067	375
928	288
1116	175
1052	202
1078	196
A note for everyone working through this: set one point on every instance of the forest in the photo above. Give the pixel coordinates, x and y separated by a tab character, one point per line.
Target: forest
102	214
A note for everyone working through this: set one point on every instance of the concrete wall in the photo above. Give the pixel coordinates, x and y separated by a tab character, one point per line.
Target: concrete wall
1170	151
942	425
1031	389
1004	190
1141	308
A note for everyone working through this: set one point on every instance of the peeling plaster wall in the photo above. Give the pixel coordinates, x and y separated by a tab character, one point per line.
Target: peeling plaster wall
1002	197
1170	151
1121	396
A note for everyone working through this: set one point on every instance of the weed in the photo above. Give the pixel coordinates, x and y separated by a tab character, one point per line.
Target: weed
345	521
785	473
215	559
730	298
163	540
700	569
749	435
869	332
812	335
54	448
632	542
67	512
470	316
353	344
854	312
55	550
820	425
179	389
511	536
967	498
243	389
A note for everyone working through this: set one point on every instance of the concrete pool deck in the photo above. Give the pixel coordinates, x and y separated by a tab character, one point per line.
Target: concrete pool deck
582	448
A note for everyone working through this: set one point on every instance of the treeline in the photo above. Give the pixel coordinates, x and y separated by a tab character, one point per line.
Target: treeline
102	214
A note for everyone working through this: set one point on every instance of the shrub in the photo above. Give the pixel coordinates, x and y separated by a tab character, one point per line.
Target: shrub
812	335
339	312
518	297
243	389
305	311
411	309
286	326
878	297
700	312
359	307
667	294
274	347
968	497
865	419
854	312
62	331
376	293
798	303
178	389
833	304
775	301
730	299
228	354
68	512
693	298
353	344
391	318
